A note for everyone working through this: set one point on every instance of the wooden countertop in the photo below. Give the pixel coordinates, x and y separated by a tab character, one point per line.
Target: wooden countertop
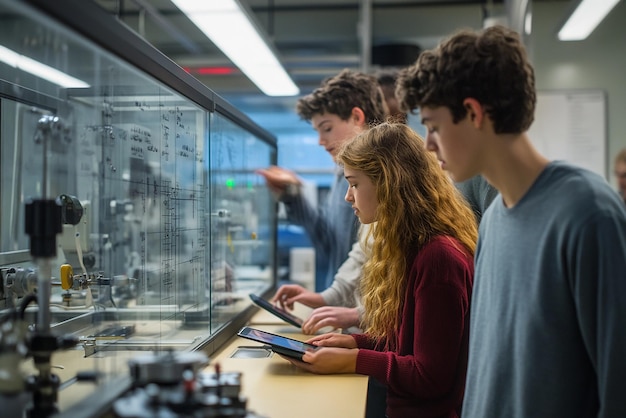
277	389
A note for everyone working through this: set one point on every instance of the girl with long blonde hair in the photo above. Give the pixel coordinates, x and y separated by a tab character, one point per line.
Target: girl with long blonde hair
417	282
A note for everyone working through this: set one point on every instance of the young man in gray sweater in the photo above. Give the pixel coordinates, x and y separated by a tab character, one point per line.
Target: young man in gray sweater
548	318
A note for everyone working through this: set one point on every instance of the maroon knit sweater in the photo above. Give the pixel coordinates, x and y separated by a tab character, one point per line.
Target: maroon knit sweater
425	373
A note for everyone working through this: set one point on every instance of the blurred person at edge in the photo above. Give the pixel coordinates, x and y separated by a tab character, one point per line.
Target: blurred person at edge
620	173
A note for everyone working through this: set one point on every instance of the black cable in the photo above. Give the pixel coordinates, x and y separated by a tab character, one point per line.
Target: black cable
26	300
111	297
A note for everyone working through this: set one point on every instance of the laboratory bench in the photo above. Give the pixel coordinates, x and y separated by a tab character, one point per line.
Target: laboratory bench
277	389
272	387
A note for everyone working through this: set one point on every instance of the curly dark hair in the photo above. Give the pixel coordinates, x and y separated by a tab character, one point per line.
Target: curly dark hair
341	93
490	66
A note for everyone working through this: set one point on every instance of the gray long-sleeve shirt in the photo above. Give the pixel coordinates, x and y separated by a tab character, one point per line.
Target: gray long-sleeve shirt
548	316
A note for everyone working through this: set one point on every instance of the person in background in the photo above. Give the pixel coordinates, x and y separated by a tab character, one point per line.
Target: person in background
417	279
341	107
548	314
387	81
620	173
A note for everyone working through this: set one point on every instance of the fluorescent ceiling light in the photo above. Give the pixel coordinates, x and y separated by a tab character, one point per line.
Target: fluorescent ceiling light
46	72
585	18
231	29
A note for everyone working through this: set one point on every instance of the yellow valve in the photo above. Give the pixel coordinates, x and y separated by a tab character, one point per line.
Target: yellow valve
229	243
67	276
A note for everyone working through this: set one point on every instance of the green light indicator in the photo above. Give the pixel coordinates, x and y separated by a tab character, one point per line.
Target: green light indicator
230	183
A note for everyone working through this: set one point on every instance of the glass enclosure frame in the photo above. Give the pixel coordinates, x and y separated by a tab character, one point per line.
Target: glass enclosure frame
166	227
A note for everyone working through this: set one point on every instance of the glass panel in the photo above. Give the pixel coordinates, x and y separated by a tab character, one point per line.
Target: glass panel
167	228
242	218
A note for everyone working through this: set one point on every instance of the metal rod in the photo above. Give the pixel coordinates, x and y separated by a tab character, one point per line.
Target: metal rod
43	294
366	35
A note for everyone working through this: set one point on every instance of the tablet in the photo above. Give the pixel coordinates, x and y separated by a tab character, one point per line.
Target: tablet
275	310
278	344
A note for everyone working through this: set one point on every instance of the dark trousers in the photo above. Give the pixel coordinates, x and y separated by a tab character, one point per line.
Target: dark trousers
376	402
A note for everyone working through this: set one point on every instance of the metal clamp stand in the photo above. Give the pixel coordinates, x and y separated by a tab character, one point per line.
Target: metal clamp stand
43	222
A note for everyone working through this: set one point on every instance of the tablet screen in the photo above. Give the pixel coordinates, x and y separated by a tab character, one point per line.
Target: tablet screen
275	310
276	341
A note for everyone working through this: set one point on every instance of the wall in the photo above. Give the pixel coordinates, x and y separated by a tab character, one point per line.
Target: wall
599	62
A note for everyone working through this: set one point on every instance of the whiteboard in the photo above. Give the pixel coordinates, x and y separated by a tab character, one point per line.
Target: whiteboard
571	126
